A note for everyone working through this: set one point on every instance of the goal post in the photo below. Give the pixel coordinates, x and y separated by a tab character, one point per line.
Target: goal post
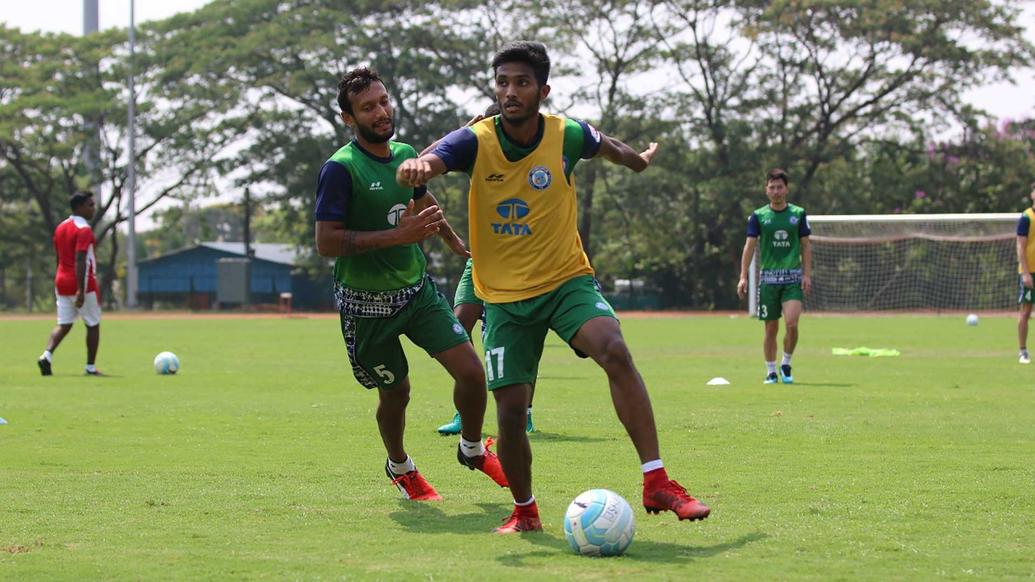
912	262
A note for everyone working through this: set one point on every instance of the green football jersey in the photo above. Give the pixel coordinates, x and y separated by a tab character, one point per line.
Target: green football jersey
779	243
376	203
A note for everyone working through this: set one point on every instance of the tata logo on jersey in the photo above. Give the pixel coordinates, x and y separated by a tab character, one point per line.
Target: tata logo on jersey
395	213
512	210
780	239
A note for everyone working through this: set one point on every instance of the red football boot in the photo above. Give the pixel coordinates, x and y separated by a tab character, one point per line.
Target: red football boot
524	518
671	496
413	485
488	463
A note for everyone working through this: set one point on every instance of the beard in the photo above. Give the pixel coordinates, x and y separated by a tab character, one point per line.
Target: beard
371	135
519	117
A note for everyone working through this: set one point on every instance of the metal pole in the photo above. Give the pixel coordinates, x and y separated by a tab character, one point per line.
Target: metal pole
91	154
131	239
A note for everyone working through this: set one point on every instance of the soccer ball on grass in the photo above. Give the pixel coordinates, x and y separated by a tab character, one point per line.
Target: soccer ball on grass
167	363
972	319
599	523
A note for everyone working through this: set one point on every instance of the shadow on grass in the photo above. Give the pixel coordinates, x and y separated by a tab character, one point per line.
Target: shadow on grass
542	435
639	551
823	385
425	517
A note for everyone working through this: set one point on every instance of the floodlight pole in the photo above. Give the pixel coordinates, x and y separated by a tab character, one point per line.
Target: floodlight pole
131	178
91	153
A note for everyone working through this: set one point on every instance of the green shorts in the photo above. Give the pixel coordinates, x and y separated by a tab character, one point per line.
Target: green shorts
373	346
465	288
1025	294
772	297
515	332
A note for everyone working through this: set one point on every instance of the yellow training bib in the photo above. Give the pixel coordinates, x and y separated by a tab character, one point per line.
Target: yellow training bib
523	218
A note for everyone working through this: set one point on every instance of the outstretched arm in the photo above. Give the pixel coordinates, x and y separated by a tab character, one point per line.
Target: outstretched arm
617	152
445	230
416	172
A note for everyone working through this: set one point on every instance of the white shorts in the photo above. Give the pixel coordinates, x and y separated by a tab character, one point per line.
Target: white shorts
67	311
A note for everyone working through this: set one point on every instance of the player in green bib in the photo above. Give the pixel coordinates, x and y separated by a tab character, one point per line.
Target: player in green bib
372	226
781	233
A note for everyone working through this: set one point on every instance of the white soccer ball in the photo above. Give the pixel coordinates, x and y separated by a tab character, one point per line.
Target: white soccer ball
167	363
599	523
972	319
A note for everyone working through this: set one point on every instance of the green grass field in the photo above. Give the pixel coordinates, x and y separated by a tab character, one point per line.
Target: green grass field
261	459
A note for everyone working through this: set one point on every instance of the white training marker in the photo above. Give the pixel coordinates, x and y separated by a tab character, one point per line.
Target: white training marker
718	381
2	421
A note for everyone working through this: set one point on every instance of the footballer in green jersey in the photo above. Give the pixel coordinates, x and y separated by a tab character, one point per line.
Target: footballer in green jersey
372	225
780	231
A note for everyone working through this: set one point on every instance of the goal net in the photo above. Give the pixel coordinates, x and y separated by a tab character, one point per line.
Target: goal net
934	262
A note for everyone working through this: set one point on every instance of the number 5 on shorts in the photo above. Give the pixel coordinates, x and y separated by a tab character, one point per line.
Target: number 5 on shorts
498	352
388	376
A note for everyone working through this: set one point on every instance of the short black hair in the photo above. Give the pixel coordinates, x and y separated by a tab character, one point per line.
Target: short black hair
492	110
354	82
777	174
529	52
78	198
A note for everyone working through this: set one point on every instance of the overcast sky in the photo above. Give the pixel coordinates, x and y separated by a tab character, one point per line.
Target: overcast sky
1003	100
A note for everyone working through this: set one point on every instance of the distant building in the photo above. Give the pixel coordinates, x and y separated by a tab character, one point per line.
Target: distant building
188	278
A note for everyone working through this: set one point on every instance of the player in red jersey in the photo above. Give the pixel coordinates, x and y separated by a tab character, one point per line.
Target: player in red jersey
75	283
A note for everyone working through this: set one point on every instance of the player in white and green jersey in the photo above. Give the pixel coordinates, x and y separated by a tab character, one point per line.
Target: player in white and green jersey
781	233
372	226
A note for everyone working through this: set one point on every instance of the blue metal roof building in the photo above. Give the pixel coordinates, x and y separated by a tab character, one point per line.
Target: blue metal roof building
188	277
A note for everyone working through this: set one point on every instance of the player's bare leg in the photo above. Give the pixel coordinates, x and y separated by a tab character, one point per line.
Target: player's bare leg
469	396
56	335
791	314
93	341
1022	332
601	339
391	423
468	314
772	329
391	418
516	456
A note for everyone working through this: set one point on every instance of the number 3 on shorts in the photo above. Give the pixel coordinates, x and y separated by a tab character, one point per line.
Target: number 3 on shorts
763	311
498	352
389	377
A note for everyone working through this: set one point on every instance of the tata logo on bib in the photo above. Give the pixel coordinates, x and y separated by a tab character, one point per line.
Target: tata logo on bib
512	211
395	214
780	239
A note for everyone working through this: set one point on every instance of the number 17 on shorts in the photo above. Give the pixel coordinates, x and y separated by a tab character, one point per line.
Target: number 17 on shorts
494	364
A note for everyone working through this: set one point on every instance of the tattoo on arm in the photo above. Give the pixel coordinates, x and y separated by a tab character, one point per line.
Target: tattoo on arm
348	244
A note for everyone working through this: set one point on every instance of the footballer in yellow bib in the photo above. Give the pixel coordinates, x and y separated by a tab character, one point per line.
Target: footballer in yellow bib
531	271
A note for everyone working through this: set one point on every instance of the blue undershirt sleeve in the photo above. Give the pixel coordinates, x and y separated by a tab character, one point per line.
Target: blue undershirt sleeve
804	229
1023	225
590	140
333	192
419	192
458	150
754	228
